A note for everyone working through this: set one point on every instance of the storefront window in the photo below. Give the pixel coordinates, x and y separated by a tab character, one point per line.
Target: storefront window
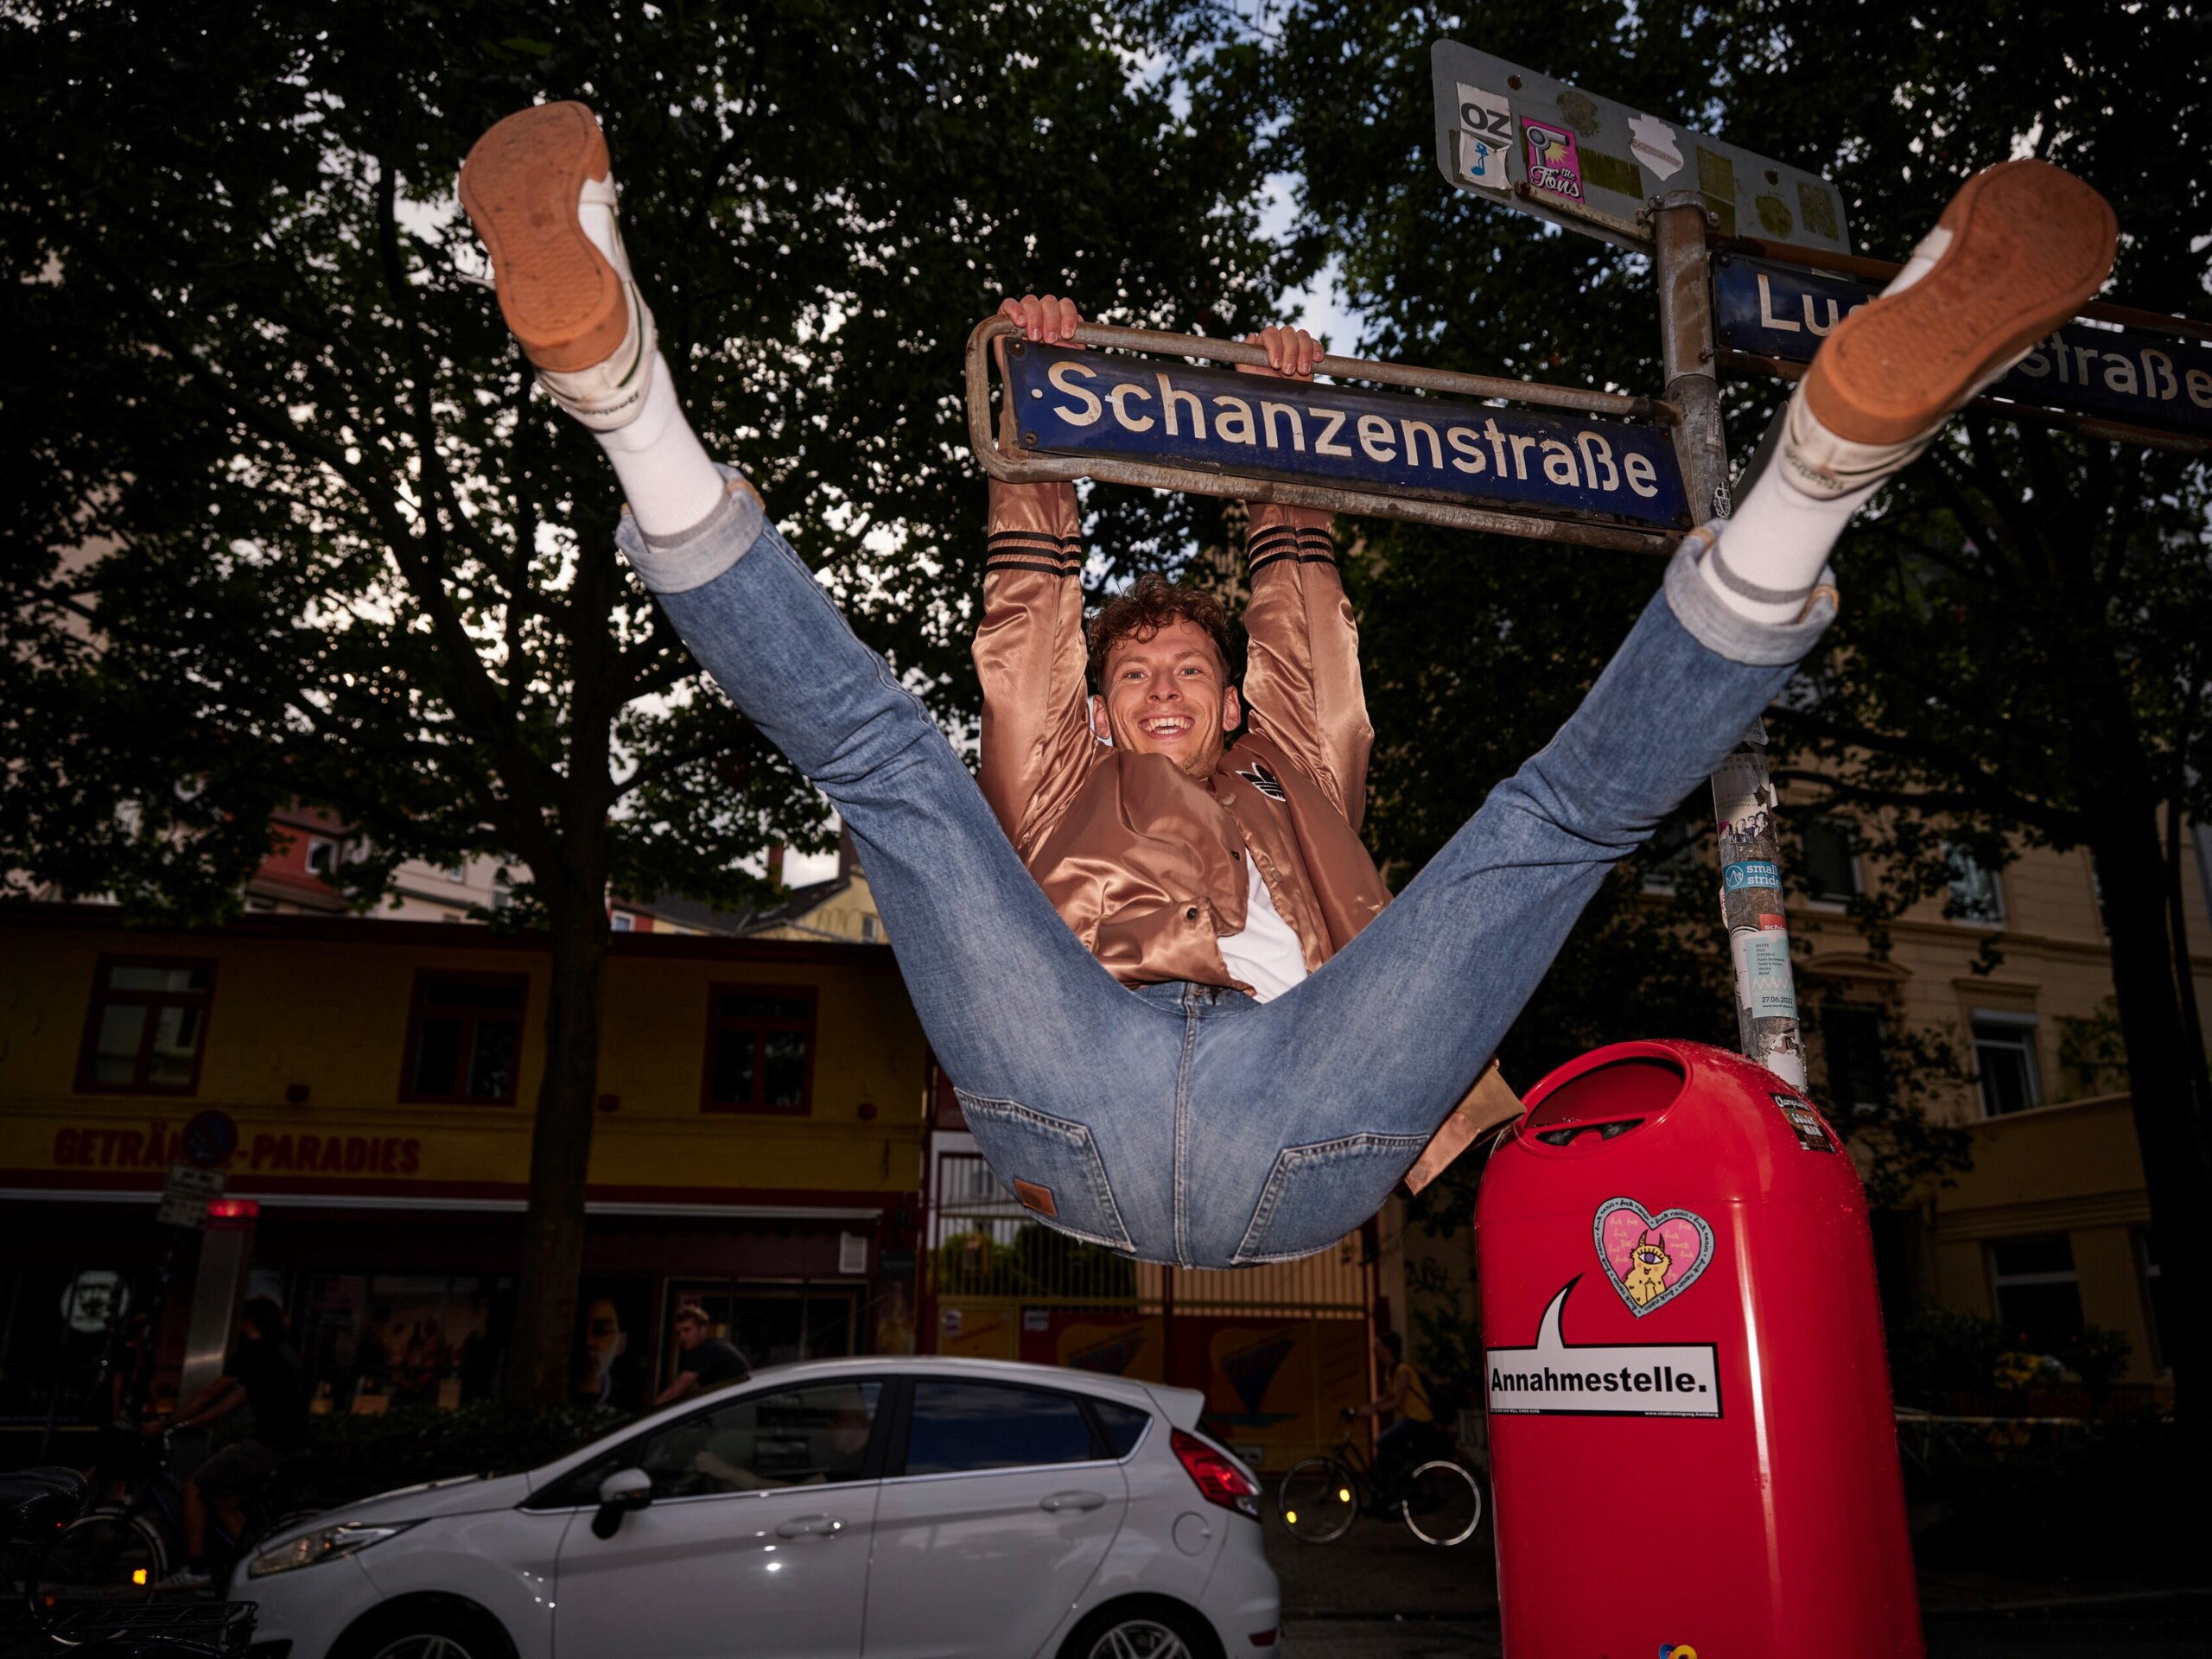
59	1329
760	1049
464	1034
770	1324
146	1027
371	1342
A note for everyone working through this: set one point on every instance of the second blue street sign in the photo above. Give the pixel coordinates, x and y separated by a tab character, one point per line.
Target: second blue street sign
1765	311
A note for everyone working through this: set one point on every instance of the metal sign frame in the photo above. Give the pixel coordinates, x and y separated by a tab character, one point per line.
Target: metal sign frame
1020	467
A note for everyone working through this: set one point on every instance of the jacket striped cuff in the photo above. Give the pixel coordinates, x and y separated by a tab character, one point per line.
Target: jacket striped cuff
1280	542
1032	549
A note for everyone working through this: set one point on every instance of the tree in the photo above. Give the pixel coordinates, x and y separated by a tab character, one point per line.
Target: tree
294	523
2021	656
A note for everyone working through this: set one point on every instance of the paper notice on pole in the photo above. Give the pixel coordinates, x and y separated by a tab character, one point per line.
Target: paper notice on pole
1763	980
185	1195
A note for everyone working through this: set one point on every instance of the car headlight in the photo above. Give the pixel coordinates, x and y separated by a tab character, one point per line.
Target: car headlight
323	1544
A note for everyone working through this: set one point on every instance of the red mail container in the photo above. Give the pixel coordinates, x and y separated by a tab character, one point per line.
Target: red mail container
1692	1445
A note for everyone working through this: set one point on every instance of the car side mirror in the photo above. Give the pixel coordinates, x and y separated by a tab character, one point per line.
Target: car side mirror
619	1493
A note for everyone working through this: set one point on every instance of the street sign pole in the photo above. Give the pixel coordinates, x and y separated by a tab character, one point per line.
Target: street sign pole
1743	793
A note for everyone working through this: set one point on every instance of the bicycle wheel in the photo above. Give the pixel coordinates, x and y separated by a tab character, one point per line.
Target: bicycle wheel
1444	1504
105	1556
1317	1500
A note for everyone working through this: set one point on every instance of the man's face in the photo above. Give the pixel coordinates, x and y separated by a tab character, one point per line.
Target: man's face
689	1333
1169	694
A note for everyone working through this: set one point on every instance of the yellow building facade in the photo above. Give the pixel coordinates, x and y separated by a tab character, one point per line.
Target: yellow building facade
371	1086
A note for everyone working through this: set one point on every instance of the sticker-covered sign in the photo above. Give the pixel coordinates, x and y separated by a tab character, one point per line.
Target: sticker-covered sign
1616	1379
1651	1259
1613	159
1780	312
1093	403
1804	1122
1486	139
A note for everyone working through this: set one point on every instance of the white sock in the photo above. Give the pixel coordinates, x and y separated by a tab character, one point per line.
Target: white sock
667	476
1771	554
666	473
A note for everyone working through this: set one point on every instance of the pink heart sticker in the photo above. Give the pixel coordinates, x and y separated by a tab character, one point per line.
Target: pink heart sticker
1651	1259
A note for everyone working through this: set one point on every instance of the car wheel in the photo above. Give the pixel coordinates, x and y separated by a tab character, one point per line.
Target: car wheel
427	1630
1141	1630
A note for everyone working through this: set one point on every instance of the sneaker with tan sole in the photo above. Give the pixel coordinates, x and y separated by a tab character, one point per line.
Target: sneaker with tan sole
569	300
2021	247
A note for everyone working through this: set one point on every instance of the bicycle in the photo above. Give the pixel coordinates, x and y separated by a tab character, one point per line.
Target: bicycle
121	1553
38	1508
1440	1501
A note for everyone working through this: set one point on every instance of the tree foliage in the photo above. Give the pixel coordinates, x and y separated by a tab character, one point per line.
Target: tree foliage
292	521
2021	658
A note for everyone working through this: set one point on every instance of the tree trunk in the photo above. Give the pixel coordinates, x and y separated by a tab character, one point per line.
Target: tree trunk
560	1158
2169	1129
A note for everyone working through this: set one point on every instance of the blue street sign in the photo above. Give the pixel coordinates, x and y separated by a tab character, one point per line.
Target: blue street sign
1087	404
1764	309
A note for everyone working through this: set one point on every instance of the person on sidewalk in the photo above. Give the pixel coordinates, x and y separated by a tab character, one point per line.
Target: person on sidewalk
1185	1119
705	1361
1405	1401
264	1376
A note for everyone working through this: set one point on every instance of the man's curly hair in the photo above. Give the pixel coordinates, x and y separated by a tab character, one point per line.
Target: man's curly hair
1150	604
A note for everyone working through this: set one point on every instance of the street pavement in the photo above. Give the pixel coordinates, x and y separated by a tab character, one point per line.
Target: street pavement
1379	1593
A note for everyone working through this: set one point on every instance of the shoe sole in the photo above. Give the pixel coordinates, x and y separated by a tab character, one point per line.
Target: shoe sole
559	296
2029	246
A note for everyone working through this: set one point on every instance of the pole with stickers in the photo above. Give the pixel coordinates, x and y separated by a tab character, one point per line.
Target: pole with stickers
1680	1314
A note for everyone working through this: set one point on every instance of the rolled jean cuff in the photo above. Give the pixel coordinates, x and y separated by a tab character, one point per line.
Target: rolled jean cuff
694	557
1726	631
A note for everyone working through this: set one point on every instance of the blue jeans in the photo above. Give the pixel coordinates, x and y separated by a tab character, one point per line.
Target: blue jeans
1188	1123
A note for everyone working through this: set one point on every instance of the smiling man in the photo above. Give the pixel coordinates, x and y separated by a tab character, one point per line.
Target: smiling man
1181	861
1184	1023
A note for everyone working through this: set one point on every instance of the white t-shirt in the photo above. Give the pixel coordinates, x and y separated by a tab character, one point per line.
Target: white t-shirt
1267	955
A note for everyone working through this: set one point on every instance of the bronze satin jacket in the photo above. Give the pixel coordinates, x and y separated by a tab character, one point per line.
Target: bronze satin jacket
1143	861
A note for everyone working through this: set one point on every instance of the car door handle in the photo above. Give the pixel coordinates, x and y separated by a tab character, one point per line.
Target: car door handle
1059	1501
811	1526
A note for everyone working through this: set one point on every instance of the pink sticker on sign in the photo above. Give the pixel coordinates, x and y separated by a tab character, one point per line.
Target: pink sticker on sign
1555	164
1651	1259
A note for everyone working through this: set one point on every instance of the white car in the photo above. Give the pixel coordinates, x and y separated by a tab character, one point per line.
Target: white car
890	1508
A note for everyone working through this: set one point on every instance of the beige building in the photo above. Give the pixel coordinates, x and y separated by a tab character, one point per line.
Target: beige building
2051	1228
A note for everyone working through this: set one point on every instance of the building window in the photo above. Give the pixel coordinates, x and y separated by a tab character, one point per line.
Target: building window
770	1324
623	922
1831	861
2004	1054
147	1026
869	931
760	1049
1852	1048
1975	894
2038	1294
457	873
464	1038
322	855
2155	1307
368	1344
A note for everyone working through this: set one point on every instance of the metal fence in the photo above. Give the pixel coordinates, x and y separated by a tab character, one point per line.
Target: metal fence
1278	1349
